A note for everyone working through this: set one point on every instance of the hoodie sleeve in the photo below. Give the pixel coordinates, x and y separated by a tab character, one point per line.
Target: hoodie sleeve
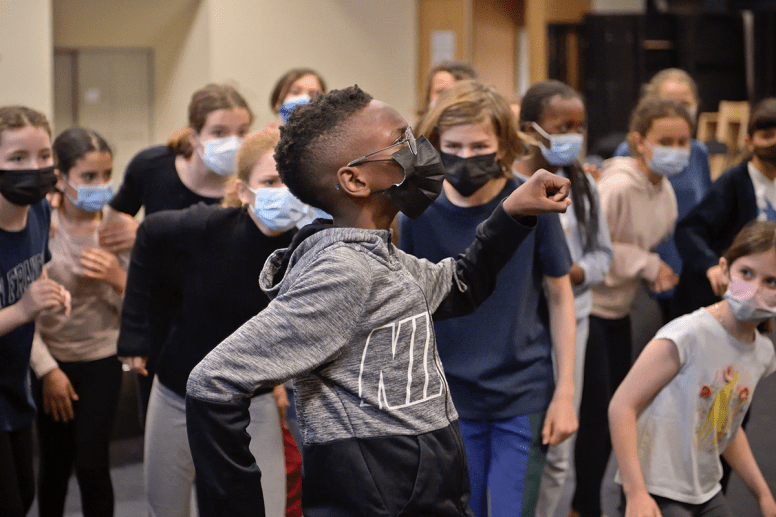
292	336
473	272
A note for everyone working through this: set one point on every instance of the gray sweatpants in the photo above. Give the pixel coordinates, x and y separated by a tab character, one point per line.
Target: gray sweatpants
169	469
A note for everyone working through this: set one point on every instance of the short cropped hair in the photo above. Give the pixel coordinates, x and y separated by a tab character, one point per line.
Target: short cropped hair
763	116
308	139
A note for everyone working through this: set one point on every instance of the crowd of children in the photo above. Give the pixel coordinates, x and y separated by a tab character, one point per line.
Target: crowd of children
449	306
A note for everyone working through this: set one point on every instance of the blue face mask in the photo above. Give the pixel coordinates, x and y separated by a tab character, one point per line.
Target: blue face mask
277	208
564	148
290	104
91	198
668	161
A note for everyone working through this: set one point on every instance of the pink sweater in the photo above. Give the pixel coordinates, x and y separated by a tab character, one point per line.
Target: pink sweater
640	216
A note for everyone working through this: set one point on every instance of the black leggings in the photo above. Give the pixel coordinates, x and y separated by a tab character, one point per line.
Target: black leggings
607	361
81	442
17	481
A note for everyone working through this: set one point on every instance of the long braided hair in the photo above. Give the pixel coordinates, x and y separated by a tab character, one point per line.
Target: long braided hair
536	100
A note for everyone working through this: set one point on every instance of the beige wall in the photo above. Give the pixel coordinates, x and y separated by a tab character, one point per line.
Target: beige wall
250	44
26	60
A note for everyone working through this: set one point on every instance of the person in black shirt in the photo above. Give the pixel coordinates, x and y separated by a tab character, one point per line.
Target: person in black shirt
203	263
194	167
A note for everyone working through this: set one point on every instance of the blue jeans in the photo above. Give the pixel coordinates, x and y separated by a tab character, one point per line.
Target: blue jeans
505	458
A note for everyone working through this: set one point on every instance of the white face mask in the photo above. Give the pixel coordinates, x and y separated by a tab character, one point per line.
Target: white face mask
220	154
748	303
564	148
668	161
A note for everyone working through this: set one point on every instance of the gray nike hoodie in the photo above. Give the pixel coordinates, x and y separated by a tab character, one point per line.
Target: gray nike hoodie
351	321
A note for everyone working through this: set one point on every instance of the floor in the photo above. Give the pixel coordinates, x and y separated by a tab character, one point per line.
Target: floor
127	449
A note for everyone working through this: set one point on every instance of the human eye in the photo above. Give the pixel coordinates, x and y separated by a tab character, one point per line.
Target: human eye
745	272
88	177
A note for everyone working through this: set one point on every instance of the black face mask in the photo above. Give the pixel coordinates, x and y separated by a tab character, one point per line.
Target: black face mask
423	178
766	154
468	175
27	186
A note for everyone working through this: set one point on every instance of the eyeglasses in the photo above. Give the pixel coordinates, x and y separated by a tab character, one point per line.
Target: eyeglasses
409	138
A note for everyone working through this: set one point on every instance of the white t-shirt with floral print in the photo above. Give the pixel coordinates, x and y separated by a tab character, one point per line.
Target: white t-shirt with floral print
691	421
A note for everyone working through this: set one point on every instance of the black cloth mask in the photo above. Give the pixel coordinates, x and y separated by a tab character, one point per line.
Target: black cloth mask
766	153
423	178
27	186
468	175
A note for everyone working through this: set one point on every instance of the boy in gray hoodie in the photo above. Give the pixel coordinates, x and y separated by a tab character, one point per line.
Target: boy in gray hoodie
351	321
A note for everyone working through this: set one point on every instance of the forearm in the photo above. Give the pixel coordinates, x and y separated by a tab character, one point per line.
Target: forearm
622	428
228	479
562	330
41	360
12	317
739	455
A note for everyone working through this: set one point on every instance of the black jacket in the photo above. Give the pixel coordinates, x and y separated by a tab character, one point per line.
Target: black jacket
704	235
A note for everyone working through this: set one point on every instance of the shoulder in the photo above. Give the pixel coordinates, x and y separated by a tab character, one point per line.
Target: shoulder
736	175
622	150
698	147
174	223
687	331
151	158
41	212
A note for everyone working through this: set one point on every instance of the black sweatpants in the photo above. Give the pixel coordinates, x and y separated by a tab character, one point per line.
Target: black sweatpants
607	361
17	481
82	442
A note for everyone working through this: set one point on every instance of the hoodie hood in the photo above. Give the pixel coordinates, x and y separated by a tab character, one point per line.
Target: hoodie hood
629	166
309	242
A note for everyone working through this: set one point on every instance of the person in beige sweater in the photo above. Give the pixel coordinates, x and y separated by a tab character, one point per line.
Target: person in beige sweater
640	209
77	374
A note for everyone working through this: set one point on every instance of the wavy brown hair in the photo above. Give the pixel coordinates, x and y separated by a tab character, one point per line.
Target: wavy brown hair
253	148
471	102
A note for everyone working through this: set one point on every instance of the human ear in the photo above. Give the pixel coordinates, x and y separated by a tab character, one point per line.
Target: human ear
193	137
244	194
350	181
60	179
723	264
749	143
638	142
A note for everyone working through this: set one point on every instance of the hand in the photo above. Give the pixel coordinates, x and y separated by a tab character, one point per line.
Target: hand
576	274
717	279
543	193
641	504
281	399
103	265
666	279
135	364
560	422
58	395
43	294
120	234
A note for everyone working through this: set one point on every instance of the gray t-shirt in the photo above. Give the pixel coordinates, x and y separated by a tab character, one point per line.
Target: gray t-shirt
691	421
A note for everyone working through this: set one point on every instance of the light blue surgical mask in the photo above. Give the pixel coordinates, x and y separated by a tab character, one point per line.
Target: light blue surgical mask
277	208
290	104
668	161
91	198
564	148
311	215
